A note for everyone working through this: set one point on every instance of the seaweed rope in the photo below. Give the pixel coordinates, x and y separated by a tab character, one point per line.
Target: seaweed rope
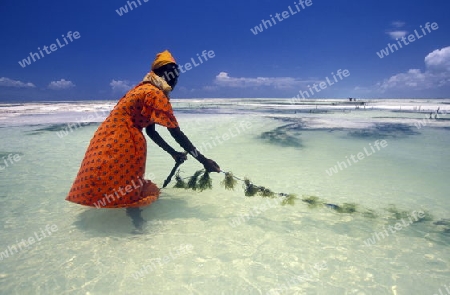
201	181
250	189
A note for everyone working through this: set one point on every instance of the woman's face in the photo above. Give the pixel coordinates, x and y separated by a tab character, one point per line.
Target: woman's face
170	73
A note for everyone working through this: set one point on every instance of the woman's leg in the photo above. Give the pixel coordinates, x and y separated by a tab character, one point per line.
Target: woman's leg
136	217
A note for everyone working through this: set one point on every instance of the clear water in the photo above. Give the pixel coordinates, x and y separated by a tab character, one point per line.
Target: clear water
219	241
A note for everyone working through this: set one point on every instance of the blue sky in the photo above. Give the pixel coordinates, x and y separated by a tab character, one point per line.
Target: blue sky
303	47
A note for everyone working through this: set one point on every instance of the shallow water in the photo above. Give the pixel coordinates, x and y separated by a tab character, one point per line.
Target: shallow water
219	241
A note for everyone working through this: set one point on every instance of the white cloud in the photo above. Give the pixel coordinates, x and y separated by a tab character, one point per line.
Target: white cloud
439	60
210	88
223	79
398	24
437	74
413	78
6	82
362	89
120	85
397	34
61	84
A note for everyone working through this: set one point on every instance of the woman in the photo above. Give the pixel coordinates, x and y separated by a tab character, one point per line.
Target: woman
112	171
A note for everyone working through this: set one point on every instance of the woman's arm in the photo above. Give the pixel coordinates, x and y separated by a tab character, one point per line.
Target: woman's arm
187	145
154	135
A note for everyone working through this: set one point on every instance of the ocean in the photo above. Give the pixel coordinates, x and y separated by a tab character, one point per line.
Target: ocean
371	217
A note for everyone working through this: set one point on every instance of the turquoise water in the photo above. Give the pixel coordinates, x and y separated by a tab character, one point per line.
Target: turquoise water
219	241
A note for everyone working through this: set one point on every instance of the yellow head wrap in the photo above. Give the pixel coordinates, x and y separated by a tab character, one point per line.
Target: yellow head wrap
162	59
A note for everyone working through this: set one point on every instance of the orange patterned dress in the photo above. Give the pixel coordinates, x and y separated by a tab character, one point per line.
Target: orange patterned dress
112	171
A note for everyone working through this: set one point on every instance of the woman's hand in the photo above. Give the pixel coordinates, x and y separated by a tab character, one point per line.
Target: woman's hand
179	157
211	166
187	145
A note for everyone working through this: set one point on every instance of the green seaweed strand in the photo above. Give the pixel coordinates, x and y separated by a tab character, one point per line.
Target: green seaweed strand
205	182
265	192
347	208
192	183
289	200
201	181
229	182
312	201
180	182
249	188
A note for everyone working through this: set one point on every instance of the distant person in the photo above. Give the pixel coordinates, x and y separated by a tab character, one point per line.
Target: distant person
112	172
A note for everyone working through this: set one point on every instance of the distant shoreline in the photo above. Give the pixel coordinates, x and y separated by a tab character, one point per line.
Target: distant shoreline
316	113
9	102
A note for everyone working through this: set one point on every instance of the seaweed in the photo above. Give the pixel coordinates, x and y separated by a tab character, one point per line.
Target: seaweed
347	208
289	199
427	217
284	136
385	130
265	192
229	182
53	127
35	133
396	213
444	221
205	182
201	180
370	214
63	127
332	206
312	201
249	188
192	183
180	182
